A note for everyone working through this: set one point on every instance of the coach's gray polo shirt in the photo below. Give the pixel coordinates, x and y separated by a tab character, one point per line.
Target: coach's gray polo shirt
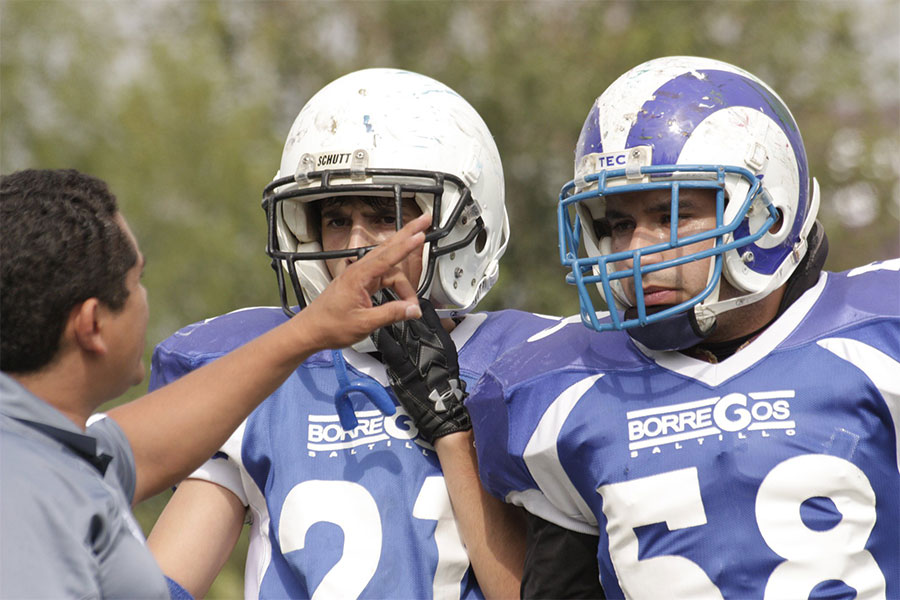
66	530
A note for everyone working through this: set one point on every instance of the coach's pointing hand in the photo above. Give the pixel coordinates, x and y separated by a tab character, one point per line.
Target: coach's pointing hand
343	314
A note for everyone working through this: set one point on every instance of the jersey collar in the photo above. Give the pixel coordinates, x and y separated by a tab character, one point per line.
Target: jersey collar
754	352
366	364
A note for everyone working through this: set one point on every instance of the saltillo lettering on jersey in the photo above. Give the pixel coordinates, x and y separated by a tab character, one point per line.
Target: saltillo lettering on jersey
340	514
771	474
375	431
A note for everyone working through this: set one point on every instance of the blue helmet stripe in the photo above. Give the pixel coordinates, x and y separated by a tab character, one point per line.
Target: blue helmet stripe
589	140
682	103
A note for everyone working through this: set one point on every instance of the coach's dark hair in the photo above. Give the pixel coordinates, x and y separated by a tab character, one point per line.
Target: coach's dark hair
59	245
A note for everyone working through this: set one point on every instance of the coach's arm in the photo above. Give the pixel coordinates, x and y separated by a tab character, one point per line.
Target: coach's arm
177	427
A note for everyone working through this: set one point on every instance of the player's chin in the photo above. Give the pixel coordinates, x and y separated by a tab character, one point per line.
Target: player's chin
632	312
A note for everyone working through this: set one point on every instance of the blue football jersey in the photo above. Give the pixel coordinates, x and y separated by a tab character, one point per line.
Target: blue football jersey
772	474
338	514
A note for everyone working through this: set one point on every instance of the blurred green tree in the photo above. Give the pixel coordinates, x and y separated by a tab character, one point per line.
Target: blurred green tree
183	107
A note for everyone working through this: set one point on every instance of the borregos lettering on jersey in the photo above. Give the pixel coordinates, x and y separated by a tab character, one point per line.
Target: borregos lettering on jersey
325	434
694	421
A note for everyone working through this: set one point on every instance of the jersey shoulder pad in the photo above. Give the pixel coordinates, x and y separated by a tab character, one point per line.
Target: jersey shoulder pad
222	334
204	341
516	326
495	334
850	300
564	346
872	288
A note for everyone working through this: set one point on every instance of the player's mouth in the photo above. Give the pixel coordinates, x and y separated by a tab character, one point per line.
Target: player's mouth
655	295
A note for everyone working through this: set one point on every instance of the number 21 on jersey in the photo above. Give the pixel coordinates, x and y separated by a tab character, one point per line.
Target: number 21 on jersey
352	508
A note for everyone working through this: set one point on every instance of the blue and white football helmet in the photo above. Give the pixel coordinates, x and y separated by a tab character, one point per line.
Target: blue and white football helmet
685	122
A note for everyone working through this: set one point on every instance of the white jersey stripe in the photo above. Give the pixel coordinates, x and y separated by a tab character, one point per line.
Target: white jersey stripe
542	458
881	369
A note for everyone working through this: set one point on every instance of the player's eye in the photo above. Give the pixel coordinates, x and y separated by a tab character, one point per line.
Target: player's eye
384	220
682	217
336	222
620	227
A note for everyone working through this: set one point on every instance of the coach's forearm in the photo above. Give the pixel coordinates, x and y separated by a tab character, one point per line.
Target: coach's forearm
177	427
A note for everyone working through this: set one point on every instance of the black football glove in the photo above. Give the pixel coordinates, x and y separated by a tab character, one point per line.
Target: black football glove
422	364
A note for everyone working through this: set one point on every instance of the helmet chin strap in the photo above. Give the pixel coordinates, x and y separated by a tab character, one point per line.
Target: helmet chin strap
691	327
675	333
711	308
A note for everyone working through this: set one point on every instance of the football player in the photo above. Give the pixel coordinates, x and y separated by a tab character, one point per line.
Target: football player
345	500
732	432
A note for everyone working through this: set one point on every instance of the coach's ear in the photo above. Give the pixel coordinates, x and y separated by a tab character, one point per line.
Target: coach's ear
85	327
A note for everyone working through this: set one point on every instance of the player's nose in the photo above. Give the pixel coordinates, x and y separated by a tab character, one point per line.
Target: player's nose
647	234
360	235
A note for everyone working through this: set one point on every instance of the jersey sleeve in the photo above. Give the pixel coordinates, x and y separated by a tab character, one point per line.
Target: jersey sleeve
517	432
176	591
167	366
500	474
223	469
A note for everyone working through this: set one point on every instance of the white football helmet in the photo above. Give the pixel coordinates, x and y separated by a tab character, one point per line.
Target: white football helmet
700	123
392	133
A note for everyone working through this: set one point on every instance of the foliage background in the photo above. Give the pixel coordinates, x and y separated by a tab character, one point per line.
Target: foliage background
183	106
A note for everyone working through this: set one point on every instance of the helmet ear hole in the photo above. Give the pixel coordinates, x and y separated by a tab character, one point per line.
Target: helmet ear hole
481	241
780	230
779	225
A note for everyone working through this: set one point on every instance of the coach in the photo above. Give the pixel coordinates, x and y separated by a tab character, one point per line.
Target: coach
73	317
